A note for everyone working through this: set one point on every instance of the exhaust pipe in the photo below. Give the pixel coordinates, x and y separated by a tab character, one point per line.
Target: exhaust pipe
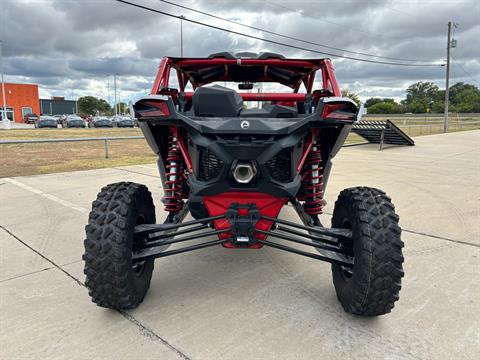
244	172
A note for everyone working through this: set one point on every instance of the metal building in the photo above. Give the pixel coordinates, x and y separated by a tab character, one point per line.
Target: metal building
57	106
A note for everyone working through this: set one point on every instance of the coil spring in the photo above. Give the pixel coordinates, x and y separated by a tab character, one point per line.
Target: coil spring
312	180
173	193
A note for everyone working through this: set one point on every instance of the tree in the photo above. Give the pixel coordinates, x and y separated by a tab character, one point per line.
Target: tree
425	97
90	105
372	101
351	95
438	106
458	88
421	96
464	98
389	106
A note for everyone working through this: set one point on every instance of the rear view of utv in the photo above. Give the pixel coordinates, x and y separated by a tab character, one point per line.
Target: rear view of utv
233	168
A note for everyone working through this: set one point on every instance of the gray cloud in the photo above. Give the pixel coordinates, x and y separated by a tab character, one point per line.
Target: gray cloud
66	43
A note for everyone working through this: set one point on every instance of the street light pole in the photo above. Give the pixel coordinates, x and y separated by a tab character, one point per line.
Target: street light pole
108	88
115	91
5	121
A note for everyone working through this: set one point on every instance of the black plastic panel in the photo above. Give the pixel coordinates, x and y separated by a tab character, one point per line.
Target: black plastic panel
216	101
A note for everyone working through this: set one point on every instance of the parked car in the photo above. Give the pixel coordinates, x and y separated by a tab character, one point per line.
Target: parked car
59	118
30	118
46	121
124	121
100	121
73	121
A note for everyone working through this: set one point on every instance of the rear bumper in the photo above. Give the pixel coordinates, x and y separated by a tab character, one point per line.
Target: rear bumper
265	204
48	125
125	124
75	125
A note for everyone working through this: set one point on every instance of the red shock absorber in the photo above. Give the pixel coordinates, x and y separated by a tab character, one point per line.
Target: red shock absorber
174	180
312	180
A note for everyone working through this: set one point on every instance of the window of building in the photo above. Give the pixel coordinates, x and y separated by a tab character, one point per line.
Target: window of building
26	110
10	113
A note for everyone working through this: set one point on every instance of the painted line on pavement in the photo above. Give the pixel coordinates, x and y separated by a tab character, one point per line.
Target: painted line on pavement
47	196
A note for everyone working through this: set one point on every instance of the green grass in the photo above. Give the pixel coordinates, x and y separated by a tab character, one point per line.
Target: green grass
44	158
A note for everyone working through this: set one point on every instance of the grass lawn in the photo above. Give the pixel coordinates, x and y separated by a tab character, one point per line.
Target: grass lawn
32	159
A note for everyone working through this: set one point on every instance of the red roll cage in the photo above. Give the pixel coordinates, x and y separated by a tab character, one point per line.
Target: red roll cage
289	72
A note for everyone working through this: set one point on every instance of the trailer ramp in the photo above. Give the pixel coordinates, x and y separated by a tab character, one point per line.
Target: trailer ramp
382	132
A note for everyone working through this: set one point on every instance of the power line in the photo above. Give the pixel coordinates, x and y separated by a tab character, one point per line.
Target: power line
271	41
463	69
404	13
286	36
323	20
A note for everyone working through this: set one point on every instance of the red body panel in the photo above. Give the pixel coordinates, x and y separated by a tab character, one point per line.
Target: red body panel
264	96
267	205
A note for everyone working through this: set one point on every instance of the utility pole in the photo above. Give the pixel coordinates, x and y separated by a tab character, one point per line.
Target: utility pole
447	80
5	121
181	35
115	91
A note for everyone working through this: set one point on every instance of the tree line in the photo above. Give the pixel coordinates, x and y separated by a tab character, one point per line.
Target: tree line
90	105
426	97
422	97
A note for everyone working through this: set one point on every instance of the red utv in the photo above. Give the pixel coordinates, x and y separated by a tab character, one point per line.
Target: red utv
234	168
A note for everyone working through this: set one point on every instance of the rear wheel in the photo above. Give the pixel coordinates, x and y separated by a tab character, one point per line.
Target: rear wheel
372	287
111	278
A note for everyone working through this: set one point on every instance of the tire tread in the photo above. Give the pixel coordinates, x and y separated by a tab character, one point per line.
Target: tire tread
108	263
378	252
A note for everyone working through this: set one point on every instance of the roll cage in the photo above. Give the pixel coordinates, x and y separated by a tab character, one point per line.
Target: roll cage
266	67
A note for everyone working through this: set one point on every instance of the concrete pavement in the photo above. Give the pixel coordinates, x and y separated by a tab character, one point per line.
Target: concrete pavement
234	304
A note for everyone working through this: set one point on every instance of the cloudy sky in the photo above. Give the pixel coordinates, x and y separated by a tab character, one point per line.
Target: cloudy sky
69	47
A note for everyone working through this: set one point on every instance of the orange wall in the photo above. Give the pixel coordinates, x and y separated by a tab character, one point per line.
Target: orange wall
21	95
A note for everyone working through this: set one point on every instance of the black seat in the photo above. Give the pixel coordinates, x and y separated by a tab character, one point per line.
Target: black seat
216	101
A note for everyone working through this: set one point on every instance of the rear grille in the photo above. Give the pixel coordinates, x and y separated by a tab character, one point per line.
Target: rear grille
210	165
280	166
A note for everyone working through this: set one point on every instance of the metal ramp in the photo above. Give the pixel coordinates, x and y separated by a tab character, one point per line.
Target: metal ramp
382	132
